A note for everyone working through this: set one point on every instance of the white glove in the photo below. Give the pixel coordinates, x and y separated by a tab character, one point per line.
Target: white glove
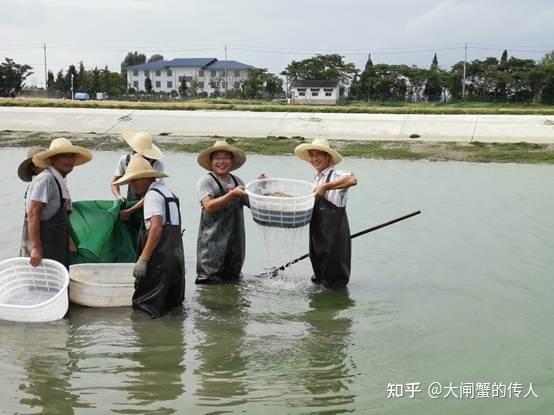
139	270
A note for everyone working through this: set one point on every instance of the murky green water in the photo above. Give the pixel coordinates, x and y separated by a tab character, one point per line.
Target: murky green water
460	294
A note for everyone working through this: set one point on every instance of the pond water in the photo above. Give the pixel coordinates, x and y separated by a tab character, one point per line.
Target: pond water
459	295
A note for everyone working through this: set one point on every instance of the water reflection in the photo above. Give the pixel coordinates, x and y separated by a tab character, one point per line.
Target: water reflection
155	382
221	326
327	376
48	367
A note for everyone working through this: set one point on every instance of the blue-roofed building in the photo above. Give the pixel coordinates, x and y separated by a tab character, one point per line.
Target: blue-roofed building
207	75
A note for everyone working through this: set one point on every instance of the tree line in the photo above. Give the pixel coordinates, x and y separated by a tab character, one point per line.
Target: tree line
508	79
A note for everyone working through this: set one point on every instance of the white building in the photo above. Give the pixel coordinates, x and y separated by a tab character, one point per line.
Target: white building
207	74
319	92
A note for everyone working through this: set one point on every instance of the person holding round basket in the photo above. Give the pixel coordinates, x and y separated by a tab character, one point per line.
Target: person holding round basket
330	244
48	201
221	238
160	268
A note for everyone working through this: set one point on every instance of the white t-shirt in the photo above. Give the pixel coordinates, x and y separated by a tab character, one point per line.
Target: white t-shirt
44	189
337	196
207	186
154	205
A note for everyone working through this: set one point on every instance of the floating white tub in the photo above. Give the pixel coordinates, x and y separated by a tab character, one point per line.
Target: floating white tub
102	285
33	294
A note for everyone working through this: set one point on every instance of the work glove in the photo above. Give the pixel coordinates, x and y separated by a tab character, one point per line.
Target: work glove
139	270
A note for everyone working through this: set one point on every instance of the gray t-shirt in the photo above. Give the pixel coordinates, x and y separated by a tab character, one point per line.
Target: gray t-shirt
122	167
154	205
44	189
207	186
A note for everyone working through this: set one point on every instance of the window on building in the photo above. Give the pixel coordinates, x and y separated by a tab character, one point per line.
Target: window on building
188	78
201	73
158	84
180	79
302	94
213	74
315	94
135	73
237	74
135	84
147	73
170	84
158	73
201	84
236	85
169	72
328	94
314	90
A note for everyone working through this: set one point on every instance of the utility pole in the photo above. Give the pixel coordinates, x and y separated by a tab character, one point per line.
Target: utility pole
225	70
45	73
464	80
72	94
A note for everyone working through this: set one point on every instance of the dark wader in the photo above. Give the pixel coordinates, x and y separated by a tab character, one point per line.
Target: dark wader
221	242
330	243
54	235
131	194
163	286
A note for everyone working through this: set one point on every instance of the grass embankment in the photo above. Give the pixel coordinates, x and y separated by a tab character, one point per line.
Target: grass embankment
387	150
268	106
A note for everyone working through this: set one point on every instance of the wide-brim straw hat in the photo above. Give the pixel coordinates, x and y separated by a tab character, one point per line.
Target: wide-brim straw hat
25	169
138	168
62	146
143	144
204	158
320	144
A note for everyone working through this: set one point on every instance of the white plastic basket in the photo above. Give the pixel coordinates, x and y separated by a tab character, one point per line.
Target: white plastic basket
33	294
291	210
102	285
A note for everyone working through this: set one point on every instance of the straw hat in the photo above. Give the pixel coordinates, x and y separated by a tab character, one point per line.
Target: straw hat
62	146
142	144
138	168
204	158
320	144
25	169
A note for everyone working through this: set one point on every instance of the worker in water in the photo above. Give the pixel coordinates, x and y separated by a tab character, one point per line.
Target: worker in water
26	171
220	247
140	143
160	268
48	201
329	229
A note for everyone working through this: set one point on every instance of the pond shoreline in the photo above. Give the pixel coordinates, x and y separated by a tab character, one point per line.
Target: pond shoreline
478	152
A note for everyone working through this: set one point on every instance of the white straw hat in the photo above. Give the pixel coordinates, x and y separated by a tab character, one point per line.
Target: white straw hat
142	144
62	146
239	157
138	168
320	144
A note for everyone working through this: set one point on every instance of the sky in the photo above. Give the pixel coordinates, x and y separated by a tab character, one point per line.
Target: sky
270	34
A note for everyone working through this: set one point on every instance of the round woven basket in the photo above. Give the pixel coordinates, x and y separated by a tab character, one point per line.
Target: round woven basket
33	294
282	203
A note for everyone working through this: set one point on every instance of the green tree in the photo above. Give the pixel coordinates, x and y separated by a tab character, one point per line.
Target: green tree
156	57
548	59
50	82
183	87
13	75
273	84
193	87
254	83
148	85
364	86
59	84
435	63
504	57
132	58
321	67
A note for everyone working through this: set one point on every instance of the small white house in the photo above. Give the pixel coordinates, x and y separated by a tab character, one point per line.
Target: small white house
320	92
209	75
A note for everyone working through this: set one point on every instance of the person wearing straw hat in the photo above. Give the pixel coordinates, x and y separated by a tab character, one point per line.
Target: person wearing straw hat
330	243
160	268
26	171
48	201
140	143
220	249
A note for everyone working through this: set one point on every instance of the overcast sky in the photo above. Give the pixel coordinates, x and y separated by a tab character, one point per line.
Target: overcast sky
270	34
